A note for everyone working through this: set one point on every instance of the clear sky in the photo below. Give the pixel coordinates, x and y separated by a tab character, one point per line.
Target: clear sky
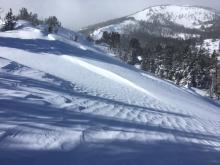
75	14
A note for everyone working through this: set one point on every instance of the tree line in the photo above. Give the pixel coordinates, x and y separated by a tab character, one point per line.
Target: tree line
52	23
180	61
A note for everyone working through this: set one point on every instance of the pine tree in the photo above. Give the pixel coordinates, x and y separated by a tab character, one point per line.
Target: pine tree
9	21
134	51
23	14
28	16
76	38
105	37
214	74
134	43
115	40
53	24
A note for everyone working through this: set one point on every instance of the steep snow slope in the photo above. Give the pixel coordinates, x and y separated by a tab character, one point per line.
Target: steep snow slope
190	17
63	102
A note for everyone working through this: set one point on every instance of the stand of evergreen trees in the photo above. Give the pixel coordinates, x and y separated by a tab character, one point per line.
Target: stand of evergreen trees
180	61
52	23
10	21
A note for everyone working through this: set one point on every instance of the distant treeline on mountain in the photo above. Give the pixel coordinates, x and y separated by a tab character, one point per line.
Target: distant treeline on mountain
173	59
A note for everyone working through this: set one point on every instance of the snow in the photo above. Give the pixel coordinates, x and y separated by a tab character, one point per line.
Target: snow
1	23
22	24
3	62
139	58
183	36
66	102
25	33
211	45
108	74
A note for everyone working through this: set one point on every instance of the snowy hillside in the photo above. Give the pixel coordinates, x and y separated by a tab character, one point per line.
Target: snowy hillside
66	102
189	17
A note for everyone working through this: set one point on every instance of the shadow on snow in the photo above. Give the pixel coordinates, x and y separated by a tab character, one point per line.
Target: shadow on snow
117	152
58	48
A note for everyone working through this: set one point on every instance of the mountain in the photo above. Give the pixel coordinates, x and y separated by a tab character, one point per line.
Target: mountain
167	20
67	102
177	43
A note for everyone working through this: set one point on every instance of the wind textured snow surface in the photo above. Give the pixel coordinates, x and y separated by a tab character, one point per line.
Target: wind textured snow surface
63	102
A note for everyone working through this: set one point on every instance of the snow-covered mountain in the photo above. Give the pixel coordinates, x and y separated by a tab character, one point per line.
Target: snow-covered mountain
66	102
172	21
187	16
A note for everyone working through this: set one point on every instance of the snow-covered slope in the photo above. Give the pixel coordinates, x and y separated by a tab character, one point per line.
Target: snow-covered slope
63	102
211	45
190	17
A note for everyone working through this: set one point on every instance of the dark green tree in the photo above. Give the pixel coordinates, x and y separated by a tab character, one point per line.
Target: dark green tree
23	14
135	50
53	24
10	21
105	37
28	16
115	40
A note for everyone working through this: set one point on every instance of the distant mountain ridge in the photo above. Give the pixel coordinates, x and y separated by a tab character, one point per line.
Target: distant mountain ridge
171	21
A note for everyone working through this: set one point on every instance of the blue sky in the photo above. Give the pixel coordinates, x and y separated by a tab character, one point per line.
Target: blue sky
75	14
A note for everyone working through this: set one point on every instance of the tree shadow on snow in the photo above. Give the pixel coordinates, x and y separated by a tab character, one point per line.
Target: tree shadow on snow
67	88
31	115
118	153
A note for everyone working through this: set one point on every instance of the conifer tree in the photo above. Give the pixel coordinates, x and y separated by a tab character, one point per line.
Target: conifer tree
53	24
9	21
